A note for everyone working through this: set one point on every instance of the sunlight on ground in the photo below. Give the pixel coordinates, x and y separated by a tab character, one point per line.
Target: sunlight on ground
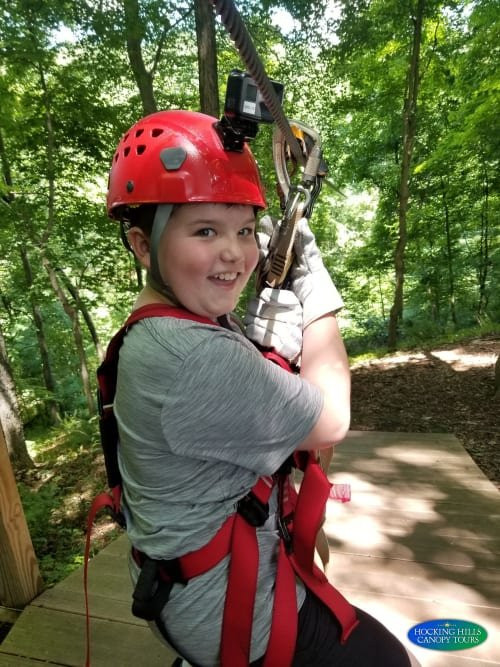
417	541
407	580
387	362
457	359
448	461
462	362
31	447
372	496
103	529
373	531
359	532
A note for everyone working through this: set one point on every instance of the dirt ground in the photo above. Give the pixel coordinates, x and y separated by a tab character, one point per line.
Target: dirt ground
447	389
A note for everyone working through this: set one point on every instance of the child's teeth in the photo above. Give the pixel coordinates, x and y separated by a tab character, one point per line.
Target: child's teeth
226	276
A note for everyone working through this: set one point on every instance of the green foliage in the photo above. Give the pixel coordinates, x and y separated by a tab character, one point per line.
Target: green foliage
68	475
67	97
344	73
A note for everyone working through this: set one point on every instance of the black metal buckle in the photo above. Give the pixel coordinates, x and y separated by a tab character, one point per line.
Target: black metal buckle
151	593
253	510
100	407
117	516
284	534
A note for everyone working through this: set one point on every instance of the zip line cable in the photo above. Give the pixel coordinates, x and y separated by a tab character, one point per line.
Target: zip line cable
236	28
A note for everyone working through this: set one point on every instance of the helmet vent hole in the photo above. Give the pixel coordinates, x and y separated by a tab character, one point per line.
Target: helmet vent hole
139	132
126	137
156	132
141	149
116	157
126	151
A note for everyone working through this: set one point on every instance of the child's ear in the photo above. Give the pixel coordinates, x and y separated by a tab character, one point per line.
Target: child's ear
139	242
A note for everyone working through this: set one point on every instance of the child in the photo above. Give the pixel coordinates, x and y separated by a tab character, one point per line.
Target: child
203	416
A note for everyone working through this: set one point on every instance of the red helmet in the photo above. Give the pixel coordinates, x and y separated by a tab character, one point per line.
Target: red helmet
177	157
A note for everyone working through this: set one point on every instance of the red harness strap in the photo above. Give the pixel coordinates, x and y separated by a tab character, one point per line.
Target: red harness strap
299	522
242	586
314	493
296	557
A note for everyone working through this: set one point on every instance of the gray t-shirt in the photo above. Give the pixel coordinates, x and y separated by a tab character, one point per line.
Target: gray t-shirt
201	415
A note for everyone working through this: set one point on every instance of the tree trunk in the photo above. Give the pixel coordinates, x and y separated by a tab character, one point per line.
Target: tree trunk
72	313
51	218
484	249
10	418
51	151
9	196
48	377
84	311
409	131
134	34
449	254
207	57
432	281
497	377
381	294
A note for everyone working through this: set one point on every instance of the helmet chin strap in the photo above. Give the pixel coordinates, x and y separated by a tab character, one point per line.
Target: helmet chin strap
154	278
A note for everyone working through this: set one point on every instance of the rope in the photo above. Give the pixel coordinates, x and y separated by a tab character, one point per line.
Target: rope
236	28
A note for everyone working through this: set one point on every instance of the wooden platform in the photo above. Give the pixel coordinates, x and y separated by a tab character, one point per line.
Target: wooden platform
420	540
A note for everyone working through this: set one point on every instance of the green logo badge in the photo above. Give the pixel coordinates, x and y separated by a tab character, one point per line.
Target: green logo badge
447	634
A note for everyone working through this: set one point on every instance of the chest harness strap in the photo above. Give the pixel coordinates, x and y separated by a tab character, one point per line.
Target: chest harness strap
299	520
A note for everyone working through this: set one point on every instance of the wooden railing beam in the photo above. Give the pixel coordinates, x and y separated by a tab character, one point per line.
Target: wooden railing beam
20	579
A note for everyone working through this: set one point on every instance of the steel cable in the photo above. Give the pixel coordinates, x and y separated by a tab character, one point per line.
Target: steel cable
236	28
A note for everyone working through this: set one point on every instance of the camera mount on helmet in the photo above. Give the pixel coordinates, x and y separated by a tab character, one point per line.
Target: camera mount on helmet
244	109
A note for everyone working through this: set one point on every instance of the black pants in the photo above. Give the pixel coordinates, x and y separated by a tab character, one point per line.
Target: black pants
318	641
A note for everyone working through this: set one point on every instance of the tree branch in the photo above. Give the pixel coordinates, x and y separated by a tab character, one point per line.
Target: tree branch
161	43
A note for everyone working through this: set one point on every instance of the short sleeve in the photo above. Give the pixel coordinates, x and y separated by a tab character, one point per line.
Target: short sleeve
338	301
230	404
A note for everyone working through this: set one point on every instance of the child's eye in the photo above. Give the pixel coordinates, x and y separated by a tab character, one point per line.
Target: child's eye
247	231
205	231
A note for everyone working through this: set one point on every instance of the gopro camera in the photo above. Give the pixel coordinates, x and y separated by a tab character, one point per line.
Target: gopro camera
244	100
244	109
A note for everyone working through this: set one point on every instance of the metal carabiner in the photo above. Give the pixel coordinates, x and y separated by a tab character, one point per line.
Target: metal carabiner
314	164
280	256
295	192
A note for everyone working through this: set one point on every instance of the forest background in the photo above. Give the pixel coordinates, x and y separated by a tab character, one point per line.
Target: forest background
405	96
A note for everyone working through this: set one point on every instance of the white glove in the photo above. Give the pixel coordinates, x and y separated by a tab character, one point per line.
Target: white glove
311	282
264	236
274	319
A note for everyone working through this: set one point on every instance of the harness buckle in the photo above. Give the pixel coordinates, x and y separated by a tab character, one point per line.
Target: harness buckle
285	534
151	593
117	516
255	512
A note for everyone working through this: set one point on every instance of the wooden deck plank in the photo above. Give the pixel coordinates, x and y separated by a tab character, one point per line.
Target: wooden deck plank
18	661
410	579
101	606
419	540
59	637
104	573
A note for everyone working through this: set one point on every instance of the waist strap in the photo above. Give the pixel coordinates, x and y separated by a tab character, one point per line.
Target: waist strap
295	558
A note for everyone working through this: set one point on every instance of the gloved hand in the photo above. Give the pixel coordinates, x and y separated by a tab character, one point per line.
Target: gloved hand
274	319
311	282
